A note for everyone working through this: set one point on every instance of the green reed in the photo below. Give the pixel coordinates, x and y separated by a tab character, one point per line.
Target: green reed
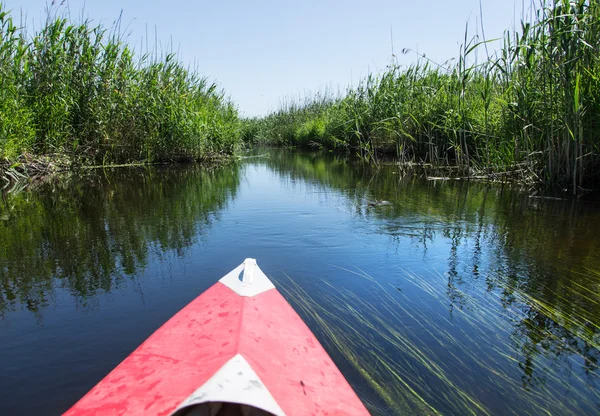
418	355
532	108
79	89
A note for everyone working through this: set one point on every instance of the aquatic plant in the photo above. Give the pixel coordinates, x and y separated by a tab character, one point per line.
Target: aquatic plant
417	355
532	108
79	89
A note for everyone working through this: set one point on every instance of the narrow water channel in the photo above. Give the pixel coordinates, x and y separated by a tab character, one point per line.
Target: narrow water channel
454	298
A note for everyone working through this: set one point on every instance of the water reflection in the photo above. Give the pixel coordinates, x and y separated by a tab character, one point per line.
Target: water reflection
539	258
87	235
478	298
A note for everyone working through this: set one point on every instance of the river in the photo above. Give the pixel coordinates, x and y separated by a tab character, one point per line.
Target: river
454	298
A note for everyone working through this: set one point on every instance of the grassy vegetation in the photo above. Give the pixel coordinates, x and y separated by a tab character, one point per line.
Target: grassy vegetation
501	342
534	106
78	89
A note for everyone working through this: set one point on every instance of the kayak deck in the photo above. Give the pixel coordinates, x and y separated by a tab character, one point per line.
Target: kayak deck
239	342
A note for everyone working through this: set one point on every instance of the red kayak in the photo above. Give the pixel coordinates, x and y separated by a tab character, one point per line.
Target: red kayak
237	349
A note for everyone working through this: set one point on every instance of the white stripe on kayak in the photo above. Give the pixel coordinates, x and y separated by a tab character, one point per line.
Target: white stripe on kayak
235	382
253	282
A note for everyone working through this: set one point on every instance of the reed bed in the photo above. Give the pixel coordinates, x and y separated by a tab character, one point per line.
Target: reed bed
531	108
78	89
434	347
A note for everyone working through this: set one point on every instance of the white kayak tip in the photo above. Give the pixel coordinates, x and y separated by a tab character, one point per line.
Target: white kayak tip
247	279
235	382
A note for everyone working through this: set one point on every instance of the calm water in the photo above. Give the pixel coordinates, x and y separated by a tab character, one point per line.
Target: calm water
455	298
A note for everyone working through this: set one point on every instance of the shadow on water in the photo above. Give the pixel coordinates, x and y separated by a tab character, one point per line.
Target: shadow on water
87	236
453	298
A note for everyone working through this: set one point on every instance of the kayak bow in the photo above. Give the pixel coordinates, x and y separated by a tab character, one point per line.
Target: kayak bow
237	349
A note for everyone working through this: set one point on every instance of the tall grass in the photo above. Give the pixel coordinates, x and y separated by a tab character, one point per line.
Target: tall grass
79	89
534	105
306	122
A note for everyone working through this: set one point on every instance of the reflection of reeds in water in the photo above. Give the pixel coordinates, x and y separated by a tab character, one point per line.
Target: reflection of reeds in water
491	354
86	237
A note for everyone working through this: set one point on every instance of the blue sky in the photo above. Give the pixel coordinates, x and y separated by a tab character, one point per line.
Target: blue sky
261	51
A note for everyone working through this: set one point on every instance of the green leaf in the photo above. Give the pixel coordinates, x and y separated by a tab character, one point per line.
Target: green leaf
576	95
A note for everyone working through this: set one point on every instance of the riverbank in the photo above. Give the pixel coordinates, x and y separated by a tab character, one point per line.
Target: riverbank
533	105
76	94
30	170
